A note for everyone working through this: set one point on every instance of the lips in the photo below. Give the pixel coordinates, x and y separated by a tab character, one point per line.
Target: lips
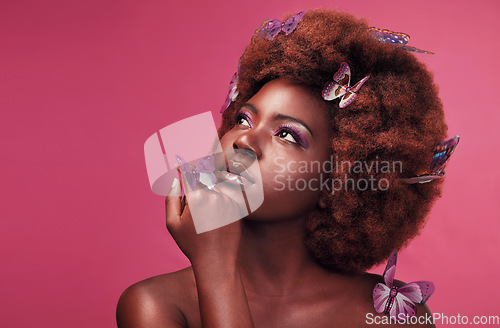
242	177
236	165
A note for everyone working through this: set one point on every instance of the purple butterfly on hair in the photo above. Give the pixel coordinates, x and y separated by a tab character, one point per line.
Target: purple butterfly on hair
399	302
340	86
203	172
232	93
271	28
441	153
397	39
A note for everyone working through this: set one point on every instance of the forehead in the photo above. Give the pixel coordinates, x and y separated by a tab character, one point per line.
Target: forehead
286	98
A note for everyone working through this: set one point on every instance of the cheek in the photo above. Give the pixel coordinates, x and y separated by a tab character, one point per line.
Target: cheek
294	180
226	139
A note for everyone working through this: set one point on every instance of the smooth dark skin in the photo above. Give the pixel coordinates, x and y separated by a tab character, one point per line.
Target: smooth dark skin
257	272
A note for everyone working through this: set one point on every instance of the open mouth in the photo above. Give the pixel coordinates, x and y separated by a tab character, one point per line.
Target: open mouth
238	169
242	177
235	165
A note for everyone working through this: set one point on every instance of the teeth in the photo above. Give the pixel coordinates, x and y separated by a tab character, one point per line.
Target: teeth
229	176
235	164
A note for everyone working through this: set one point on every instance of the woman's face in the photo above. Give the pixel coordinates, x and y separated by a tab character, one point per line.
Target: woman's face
286	126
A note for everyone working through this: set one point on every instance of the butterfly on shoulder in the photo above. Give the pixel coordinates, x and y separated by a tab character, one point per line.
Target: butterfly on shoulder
441	153
397	39
341	86
399	302
203	172
271	28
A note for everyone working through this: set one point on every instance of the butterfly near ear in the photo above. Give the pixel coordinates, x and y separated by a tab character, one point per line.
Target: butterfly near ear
441	153
271	28
399	302
203	172
341	86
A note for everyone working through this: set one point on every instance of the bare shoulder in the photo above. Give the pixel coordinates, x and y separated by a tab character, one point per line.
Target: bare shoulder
364	292
160	301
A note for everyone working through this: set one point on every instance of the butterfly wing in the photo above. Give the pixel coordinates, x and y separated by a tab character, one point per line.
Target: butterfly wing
347	99
421	178
387	36
233	90
402	305
406	297
418	291
390	268
441	153
396	39
226	104
358	85
377	34
291	23
232	93
204	171
410	48
343	75
205	164
183	165
381	294
333	90
208	179
426	288
187	170
412	292
350	95
269	28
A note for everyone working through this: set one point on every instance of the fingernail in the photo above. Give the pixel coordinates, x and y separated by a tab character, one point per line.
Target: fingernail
174	189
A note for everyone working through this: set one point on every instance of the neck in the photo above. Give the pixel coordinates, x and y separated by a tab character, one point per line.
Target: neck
273	257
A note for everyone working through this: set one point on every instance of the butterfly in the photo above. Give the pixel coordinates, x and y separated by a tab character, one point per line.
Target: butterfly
395	38
232	93
441	153
271	28
340	86
397	301
203	172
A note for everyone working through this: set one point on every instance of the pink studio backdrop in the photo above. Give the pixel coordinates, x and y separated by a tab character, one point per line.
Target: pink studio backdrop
83	84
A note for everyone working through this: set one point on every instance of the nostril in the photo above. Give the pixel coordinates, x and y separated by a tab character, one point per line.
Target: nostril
247	145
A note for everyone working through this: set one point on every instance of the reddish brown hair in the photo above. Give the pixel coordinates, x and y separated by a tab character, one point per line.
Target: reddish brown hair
397	116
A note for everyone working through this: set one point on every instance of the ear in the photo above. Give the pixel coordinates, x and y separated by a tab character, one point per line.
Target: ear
323	202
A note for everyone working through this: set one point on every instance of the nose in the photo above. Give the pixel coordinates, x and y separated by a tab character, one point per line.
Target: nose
248	144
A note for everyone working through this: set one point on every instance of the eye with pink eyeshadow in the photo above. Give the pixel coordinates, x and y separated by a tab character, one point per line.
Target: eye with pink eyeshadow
243	115
286	130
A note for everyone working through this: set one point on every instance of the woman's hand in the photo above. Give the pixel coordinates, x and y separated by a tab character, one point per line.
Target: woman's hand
213	255
209	246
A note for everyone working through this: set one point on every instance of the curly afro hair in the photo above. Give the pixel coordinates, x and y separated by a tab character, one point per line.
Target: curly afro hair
397	117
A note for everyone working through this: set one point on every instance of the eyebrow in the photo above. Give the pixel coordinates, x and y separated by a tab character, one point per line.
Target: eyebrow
253	109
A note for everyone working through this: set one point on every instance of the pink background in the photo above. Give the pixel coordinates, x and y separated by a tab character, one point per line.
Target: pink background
83	84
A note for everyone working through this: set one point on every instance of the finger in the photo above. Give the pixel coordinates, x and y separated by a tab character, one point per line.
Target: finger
183	203
173	203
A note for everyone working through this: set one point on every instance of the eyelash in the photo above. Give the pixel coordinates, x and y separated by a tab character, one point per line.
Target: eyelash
243	115
296	135
285	128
